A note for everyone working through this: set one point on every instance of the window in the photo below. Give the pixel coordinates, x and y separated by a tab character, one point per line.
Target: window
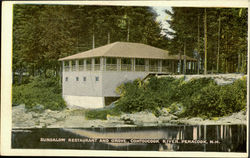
81	62
111	61
66	63
165	62
73	62
96	78
66	79
153	62
126	61
84	78
139	62
88	61
77	78
97	61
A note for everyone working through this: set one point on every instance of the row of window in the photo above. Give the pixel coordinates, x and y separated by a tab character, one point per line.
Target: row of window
123	61
83	79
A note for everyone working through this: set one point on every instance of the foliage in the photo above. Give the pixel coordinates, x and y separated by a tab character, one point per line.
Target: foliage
102	113
152	95
197	97
226	36
44	33
41	93
214	100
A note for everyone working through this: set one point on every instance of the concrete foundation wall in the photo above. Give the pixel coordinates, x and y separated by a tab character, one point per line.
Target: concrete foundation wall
88	102
112	79
89	87
90	93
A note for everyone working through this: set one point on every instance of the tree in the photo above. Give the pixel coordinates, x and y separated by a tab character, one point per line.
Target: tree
44	33
222	36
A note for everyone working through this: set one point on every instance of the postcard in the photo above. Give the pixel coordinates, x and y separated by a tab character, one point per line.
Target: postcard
125	78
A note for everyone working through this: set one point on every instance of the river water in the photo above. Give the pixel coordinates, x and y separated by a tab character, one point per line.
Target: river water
219	138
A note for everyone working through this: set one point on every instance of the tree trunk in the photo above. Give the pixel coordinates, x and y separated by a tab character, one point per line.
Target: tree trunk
180	63
20	76
93	37
242	64
93	41
198	49
218	53
108	37
238	67
128	33
226	65
205	42
184	60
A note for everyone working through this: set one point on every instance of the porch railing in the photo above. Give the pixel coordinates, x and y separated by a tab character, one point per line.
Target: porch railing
111	67
81	67
97	67
153	68
88	67
66	68
140	68
165	69
126	67
73	67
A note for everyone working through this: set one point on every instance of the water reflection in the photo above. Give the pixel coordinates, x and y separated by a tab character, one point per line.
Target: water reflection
227	138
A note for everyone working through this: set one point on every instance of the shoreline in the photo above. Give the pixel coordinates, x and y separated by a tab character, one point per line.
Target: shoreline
75	118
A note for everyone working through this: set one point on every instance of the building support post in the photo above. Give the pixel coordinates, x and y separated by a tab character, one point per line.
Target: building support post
173	66
101	64
70	65
84	65
133	64
93	64
184	60
63	68
77	65
118	64
104	63
147	65
159	65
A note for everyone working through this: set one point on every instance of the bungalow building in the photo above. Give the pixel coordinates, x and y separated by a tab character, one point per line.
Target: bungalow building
90	78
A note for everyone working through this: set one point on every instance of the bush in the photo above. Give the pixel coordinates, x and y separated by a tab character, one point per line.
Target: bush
45	92
102	113
214	100
197	97
152	95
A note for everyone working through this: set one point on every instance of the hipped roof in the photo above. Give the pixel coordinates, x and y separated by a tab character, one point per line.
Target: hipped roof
126	50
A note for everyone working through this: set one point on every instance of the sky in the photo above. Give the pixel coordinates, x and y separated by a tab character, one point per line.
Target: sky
162	16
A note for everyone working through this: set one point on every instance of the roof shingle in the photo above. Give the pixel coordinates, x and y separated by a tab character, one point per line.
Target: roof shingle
125	50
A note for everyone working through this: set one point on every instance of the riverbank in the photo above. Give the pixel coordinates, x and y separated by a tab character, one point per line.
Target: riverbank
75	118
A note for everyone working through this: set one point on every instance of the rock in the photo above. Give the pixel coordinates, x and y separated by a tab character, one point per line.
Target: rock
192	121
163	119
239	118
139	118
47	111
113	118
38	108
164	112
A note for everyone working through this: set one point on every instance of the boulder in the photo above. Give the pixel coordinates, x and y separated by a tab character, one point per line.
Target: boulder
113	118
38	108
139	118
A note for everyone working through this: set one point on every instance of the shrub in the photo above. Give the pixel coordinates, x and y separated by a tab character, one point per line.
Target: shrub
151	95
40	91
197	97
102	113
212	100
